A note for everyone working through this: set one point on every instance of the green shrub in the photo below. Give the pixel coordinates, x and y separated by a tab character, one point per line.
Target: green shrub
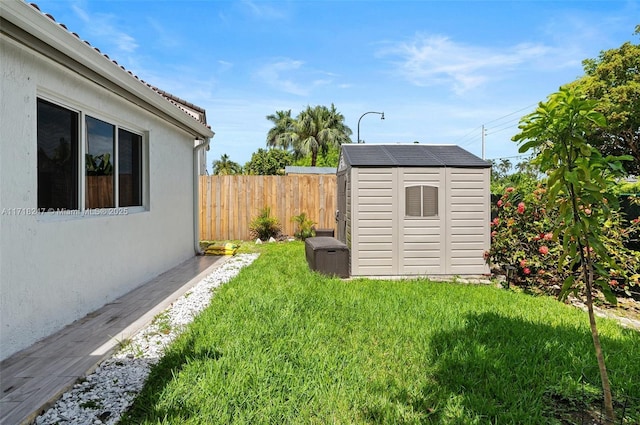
305	226
628	187
525	239
264	226
522	237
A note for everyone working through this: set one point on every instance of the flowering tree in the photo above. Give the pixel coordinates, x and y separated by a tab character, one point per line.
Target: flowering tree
579	183
522	240
522	237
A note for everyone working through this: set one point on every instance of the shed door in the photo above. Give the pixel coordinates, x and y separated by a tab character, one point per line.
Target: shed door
388	240
421	214
341	220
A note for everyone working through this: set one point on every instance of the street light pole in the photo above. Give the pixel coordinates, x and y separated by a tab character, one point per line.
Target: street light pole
371	112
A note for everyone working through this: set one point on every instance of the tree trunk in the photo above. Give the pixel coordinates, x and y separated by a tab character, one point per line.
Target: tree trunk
604	377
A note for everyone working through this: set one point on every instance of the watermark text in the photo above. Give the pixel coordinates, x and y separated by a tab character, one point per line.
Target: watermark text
62	211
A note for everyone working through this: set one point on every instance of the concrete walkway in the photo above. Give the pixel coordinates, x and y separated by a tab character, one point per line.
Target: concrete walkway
33	379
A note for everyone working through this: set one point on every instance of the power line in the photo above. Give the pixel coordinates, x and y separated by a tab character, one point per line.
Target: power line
471	136
512	113
506	124
466	135
508	157
499	130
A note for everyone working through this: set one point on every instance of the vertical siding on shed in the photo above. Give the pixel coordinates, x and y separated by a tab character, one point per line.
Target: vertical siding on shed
421	244
373	223
467	220
385	242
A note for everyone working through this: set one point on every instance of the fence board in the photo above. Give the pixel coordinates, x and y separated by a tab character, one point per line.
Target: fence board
229	203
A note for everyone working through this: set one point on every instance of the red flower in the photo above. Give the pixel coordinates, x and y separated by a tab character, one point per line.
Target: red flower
548	236
543	250
613	282
499	203
509	189
521	208
523	263
493	234
526	270
496	221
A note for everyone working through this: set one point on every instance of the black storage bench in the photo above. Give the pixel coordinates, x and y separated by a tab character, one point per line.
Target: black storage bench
327	255
325	232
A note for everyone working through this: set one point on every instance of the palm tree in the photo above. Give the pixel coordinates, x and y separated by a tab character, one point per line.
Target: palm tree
279	136
224	166
317	129
314	130
500	170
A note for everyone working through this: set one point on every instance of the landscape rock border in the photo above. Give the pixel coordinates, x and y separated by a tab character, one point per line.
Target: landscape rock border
104	395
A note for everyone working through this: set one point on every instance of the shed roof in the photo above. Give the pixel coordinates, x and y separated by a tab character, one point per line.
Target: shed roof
410	155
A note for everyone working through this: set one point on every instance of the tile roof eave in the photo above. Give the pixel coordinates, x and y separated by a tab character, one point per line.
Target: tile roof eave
30	19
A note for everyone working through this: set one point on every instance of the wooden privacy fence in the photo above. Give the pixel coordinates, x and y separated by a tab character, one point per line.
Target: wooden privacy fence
228	204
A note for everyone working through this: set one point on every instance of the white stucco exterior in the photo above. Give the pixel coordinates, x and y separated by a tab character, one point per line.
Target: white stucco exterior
55	269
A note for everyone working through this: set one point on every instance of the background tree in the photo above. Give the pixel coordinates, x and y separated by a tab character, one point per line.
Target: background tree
314	131
500	169
319	128
279	136
525	174
579	186
224	166
328	159
613	79
268	162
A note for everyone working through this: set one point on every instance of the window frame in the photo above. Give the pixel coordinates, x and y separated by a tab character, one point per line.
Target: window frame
82	149
423	188
74	174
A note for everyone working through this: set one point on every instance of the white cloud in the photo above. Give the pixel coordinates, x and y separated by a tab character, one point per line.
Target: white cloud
164	36
289	75
100	26
438	60
264	10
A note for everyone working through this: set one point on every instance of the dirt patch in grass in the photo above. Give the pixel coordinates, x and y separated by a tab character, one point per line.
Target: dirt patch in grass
627	307
626	311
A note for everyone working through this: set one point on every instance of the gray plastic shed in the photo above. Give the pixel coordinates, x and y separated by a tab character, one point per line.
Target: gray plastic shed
412	209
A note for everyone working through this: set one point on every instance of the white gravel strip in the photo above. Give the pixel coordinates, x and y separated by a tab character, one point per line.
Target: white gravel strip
108	392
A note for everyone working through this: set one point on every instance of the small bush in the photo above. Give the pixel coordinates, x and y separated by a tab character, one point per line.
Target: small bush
628	188
264	226
305	226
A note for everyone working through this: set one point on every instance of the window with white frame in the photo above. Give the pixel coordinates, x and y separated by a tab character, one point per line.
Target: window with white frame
421	201
113	161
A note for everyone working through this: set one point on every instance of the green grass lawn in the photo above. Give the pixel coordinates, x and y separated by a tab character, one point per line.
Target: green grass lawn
282	345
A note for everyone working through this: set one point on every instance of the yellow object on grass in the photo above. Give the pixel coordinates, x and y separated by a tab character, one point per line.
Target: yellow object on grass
226	249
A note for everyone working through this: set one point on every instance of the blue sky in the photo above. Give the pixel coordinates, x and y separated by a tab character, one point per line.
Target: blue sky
439	70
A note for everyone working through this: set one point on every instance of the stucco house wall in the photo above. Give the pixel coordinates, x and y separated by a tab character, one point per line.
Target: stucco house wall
57	267
384	240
